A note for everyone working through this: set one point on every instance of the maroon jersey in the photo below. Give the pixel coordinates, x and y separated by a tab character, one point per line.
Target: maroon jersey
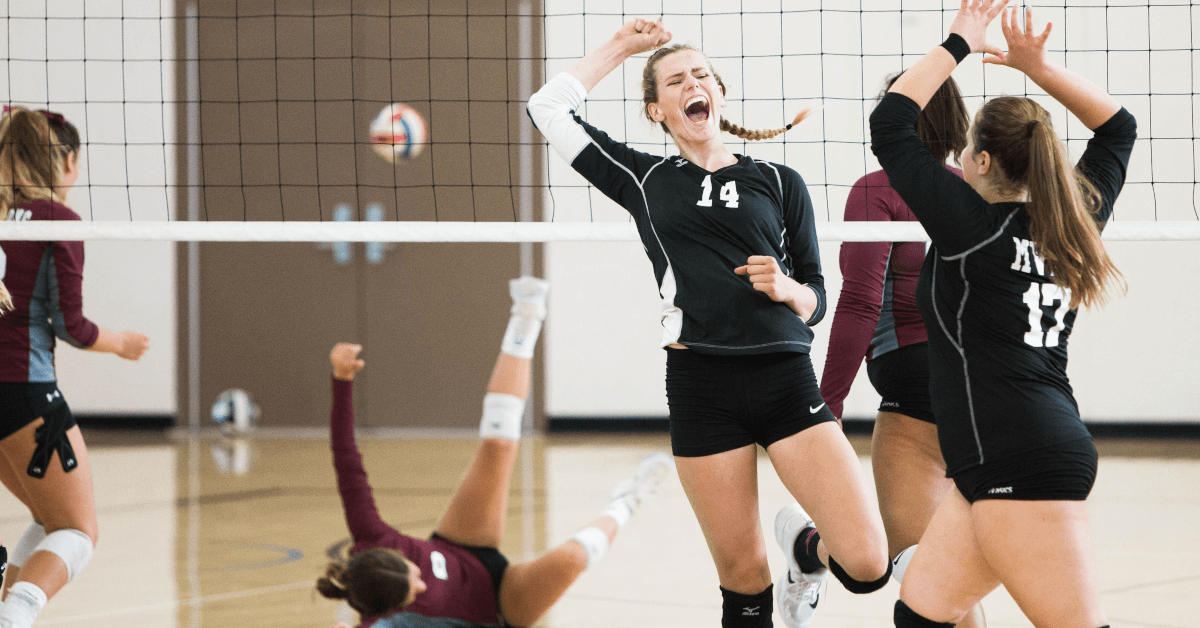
46	282
459	586
877	310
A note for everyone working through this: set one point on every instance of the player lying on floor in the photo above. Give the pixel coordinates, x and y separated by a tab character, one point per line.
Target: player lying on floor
457	578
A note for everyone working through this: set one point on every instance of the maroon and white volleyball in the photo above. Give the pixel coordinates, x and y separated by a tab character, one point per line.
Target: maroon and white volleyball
398	132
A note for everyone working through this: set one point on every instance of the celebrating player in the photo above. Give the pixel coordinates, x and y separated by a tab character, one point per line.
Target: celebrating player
39	162
734	250
1016	248
877	318
458	575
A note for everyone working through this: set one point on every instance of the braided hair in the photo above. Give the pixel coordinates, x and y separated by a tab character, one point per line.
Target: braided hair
650	95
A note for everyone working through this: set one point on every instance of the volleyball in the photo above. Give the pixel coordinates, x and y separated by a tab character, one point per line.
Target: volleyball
398	132
234	412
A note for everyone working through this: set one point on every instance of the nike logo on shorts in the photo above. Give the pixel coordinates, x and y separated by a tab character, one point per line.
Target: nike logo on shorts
814	409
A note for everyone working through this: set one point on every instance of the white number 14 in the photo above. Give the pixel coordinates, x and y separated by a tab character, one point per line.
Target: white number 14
729	193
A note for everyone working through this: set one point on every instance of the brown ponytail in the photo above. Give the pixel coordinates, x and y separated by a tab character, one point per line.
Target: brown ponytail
372	582
944	122
1062	206
650	95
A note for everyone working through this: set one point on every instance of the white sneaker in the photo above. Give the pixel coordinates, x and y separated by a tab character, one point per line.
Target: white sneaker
643	486
529	297
796	593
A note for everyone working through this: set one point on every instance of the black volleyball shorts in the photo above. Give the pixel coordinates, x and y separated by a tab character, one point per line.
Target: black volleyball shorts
1063	472
719	403
493	561
21	403
901	377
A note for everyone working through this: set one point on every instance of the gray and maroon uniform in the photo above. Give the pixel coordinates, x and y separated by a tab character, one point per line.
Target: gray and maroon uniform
459	585
46	282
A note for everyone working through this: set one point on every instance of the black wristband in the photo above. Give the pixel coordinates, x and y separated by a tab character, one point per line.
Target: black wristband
957	46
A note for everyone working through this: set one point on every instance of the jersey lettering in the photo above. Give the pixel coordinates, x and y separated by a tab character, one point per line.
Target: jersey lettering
1027	259
729	193
706	195
19	215
1049	295
437	563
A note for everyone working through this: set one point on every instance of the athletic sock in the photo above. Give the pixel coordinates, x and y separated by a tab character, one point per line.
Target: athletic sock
594	542
739	610
528	312
805	550
24	602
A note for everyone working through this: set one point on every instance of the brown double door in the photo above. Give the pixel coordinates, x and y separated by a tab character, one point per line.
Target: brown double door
430	318
287	91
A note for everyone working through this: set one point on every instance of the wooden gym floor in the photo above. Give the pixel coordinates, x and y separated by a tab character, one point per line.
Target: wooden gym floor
203	532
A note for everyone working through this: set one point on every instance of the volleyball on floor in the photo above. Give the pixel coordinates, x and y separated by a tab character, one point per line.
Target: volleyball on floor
398	132
234	412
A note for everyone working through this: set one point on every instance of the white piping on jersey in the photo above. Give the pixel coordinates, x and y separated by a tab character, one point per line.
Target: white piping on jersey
767	344
672	316
962	306
986	242
782	236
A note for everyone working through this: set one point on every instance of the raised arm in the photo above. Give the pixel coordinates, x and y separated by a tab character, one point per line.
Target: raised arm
967	34
635	36
1027	53
362	516
614	168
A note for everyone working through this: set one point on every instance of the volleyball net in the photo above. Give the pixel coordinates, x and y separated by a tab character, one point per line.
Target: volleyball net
251	120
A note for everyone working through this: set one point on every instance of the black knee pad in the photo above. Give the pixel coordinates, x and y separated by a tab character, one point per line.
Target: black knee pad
906	617
739	610
858	586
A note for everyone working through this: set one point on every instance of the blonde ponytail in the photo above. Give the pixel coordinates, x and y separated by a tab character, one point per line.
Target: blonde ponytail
764	134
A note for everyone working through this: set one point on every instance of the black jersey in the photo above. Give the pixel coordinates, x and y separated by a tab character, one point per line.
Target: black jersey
697	227
998	325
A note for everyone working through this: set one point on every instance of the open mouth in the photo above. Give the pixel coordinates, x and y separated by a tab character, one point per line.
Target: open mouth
697	109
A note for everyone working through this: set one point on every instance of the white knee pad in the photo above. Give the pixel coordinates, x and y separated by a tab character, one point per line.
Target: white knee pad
72	546
502	416
594	542
27	545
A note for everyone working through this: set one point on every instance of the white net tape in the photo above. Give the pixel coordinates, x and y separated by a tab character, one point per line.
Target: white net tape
480	231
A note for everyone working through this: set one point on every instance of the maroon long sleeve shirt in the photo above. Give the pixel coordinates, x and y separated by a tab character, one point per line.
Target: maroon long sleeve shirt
877	308
459	587
46	283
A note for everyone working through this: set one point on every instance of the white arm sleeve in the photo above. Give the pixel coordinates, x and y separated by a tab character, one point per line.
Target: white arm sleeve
552	111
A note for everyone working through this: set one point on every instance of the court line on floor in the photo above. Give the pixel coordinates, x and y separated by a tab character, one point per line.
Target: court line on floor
175	604
1147	585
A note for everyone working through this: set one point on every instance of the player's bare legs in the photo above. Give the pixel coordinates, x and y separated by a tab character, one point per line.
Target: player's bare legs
61	501
948	574
13	573
479	507
1042	552
820	469
529	589
723	491
910	479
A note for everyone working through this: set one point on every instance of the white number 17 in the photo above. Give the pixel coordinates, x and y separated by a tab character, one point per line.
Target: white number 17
1045	294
